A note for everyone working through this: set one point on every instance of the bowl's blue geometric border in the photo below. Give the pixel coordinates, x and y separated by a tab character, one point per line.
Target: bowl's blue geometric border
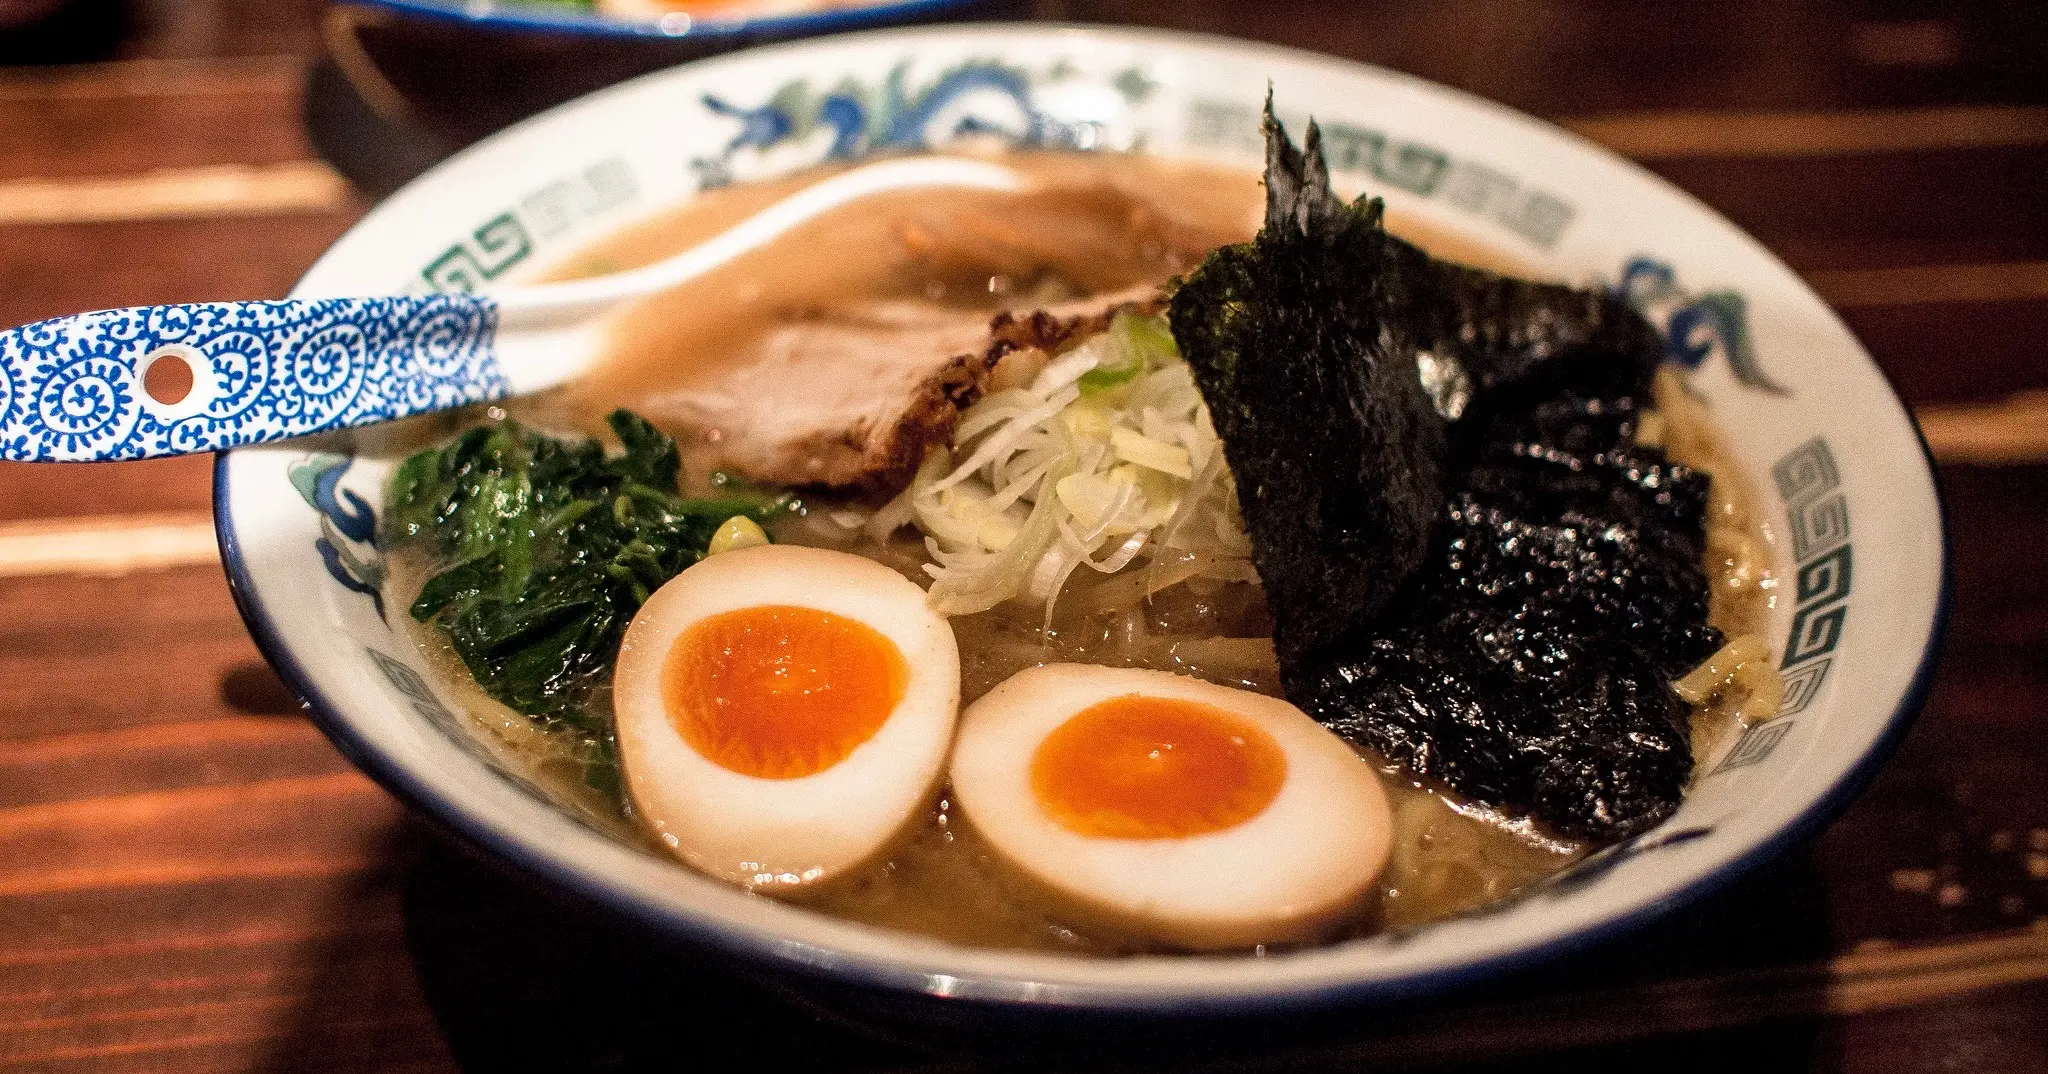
1471	187
1817	513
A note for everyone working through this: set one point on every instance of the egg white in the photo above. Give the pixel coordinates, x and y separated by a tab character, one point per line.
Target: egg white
1285	874
786	832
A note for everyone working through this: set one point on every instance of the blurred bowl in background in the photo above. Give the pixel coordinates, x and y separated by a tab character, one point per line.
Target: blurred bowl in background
697	19
440	74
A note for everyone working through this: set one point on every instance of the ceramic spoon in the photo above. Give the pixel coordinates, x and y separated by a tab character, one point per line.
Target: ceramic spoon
149	381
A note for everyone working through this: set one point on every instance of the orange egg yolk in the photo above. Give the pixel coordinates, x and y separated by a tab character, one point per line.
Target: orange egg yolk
1137	767
779	691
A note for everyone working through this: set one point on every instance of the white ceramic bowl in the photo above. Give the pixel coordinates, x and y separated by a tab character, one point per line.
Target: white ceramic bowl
1848	483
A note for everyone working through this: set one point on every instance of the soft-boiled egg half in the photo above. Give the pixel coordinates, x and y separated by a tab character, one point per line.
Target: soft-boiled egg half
1169	806
784	712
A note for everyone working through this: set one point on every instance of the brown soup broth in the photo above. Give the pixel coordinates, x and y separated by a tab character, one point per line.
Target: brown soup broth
1101	222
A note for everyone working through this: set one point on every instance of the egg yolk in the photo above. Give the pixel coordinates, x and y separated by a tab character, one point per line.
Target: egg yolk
779	691
1138	767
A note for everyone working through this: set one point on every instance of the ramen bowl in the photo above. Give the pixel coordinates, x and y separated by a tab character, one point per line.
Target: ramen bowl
1834	456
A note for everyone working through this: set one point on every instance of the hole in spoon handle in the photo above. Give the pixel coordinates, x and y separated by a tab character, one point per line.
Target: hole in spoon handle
175	381
167	377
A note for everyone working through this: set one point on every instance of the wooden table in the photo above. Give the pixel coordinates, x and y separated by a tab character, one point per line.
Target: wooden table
192	879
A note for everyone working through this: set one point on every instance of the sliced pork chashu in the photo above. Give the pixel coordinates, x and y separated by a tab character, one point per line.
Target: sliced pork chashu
853	398
795	364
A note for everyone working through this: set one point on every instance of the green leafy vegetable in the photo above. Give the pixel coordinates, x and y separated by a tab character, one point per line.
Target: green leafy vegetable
1133	343
545	548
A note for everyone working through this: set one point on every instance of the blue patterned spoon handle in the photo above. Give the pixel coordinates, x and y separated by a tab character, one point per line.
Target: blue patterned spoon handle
93	387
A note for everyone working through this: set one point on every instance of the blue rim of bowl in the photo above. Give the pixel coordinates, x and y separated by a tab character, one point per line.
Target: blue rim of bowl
537	17
833	966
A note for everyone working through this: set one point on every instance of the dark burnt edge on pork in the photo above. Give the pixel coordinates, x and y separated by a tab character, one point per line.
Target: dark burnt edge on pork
1524	653
936	404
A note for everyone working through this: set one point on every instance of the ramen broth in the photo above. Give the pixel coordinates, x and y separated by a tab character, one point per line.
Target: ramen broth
1091	224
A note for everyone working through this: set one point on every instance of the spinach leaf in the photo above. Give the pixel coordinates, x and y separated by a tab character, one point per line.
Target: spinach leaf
544	548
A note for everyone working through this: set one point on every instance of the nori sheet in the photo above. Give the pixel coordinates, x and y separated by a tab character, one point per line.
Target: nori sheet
1297	342
1490	581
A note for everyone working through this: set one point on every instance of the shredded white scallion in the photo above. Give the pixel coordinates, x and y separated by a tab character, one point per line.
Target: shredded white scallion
1107	459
